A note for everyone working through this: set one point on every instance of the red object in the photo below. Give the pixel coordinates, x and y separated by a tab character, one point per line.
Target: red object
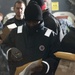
43	7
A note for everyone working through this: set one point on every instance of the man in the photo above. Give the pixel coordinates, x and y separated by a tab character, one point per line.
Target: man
18	19
49	20
60	26
3	62
34	42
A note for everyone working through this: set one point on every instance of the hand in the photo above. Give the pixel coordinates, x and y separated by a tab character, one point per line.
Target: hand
15	54
35	66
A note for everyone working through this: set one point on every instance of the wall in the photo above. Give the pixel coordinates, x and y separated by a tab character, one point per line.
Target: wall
65	5
5	6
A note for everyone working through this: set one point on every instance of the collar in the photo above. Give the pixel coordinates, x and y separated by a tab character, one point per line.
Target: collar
35	29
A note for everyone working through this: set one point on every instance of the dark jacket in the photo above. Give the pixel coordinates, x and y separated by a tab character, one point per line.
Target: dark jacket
68	42
14	20
50	21
34	44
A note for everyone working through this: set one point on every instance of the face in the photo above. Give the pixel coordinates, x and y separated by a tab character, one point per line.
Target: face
19	9
32	23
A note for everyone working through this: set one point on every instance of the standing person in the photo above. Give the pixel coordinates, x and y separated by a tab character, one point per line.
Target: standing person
18	19
60	26
49	20
33	40
3	62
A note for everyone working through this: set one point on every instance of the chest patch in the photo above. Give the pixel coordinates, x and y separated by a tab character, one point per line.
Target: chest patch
41	47
48	32
19	29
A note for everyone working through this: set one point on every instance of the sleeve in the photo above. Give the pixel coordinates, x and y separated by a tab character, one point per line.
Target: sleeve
10	21
49	20
49	59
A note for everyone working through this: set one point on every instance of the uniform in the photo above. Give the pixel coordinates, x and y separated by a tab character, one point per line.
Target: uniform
16	21
50	21
33	47
35	41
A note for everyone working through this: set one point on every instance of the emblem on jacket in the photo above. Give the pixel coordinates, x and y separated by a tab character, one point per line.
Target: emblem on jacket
41	47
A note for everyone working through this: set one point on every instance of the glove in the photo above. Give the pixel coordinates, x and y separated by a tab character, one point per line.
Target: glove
15	54
40	3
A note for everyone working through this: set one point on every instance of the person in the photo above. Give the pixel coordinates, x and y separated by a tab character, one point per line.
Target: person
49	20
18	19
3	62
31	42
60	26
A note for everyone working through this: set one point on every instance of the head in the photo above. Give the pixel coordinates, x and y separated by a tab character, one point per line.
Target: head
33	14
19	8
1	16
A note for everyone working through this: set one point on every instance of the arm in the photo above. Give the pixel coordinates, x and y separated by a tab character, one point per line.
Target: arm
49	54
50	21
